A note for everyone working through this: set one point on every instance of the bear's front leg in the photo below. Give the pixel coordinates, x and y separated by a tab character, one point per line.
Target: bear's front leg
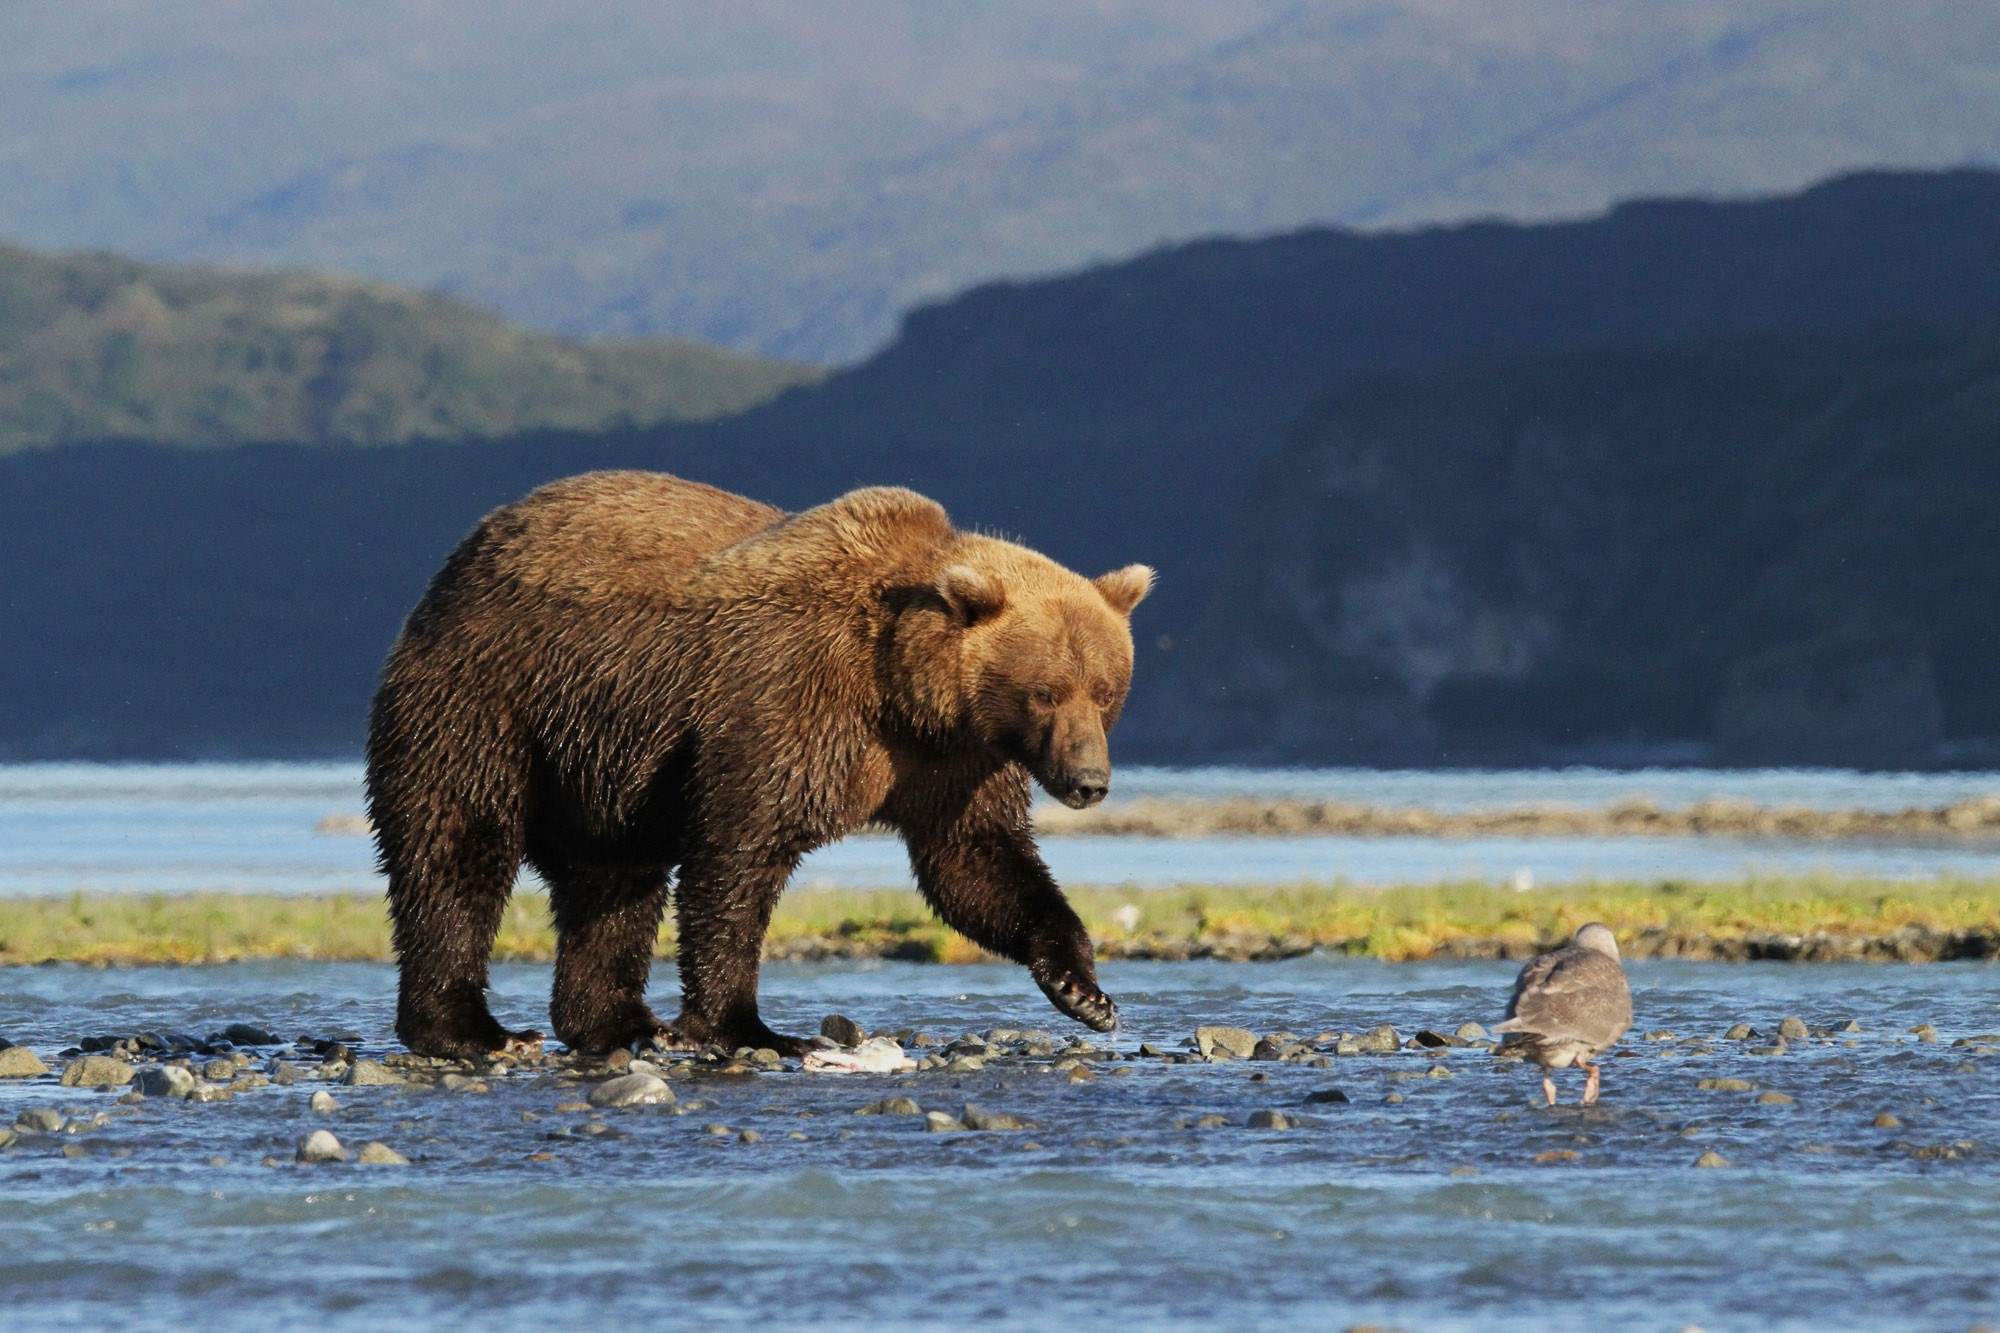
980	872
722	905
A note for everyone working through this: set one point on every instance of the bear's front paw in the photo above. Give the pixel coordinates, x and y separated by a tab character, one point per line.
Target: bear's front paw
1080	998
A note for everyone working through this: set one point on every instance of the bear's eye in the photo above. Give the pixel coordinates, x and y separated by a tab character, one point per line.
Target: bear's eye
1043	696
1101	695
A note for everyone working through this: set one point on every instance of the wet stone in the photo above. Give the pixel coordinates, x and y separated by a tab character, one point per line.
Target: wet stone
632	1090
1327	1097
1225	1043
1268	1120
1726	1085
1776	1099
1741	1032
379	1154
892	1106
1886	1120
1924	1032
40	1120
96	1071
320	1146
1379	1041
1711	1158
466	1083
166	1081
1434	1040
20	1062
937	1122
1777	1048
1470	1032
323	1103
1556	1156
372	1074
842	1029
978	1117
219	1071
249	1034
209	1092
1793	1029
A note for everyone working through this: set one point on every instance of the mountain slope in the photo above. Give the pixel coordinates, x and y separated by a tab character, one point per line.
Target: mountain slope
1690	480
792	178
99	347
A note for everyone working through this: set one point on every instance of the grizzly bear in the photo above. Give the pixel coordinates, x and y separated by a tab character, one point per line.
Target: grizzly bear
625	675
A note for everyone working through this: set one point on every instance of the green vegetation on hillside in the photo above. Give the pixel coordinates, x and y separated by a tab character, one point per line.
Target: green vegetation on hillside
99	347
1807	917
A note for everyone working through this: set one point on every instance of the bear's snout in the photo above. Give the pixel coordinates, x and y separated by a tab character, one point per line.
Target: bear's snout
1083	789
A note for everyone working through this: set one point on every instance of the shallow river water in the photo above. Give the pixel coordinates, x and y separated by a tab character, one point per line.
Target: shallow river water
1420	1202
251	827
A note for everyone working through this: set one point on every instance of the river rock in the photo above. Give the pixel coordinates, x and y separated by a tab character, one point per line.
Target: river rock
323	1103
1924	1032
209	1092
892	1106
96	1071
378	1154
166	1081
320	1146
249	1034
632	1090
937	1122
1223	1043
1327	1097
978	1117
1711	1158
20	1062
1379	1041
842	1029
1726	1085
40	1120
1776	1099
1268	1120
1740	1032
1794	1029
467	1083
1887	1120
1470	1032
1430	1040
372	1074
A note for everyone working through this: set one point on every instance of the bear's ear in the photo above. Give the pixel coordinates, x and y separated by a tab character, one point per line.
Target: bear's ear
971	594
1125	588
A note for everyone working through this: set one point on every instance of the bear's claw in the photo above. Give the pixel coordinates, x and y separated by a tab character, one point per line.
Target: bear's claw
1081	1000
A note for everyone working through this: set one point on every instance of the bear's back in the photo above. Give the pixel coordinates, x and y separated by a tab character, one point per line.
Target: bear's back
610	536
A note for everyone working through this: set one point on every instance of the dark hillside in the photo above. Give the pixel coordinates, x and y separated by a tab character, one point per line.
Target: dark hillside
1632	450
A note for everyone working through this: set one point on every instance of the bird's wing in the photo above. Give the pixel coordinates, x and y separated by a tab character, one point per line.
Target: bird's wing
1571	993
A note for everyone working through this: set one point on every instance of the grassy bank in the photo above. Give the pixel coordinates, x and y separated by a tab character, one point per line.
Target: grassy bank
1806	918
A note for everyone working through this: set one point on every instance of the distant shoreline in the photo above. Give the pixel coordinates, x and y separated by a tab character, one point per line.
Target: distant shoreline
1974	819
1803	919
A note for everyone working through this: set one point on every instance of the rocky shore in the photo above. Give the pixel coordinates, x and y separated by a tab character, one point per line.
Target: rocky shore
1160	818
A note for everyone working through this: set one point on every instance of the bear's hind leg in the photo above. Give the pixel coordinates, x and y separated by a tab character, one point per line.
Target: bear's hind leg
607	924
446	909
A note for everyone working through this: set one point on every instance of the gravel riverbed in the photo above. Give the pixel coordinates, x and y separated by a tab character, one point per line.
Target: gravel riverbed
1316	1139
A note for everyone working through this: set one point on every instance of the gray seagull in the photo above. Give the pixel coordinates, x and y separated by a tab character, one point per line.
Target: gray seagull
1568	1006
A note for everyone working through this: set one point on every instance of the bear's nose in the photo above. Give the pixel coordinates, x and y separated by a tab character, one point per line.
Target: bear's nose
1088	787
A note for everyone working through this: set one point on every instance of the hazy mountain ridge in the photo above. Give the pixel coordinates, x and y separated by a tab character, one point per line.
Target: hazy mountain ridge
792	178
1672	482
97	346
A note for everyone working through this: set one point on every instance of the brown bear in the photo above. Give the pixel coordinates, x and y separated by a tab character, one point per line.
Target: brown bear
624	675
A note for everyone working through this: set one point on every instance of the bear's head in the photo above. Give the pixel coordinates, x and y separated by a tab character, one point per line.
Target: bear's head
1042	659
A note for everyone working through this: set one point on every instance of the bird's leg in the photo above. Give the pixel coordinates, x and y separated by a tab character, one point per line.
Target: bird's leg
1590	1084
1549	1087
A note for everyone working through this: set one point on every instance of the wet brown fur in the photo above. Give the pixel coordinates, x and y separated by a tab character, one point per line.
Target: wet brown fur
625	676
